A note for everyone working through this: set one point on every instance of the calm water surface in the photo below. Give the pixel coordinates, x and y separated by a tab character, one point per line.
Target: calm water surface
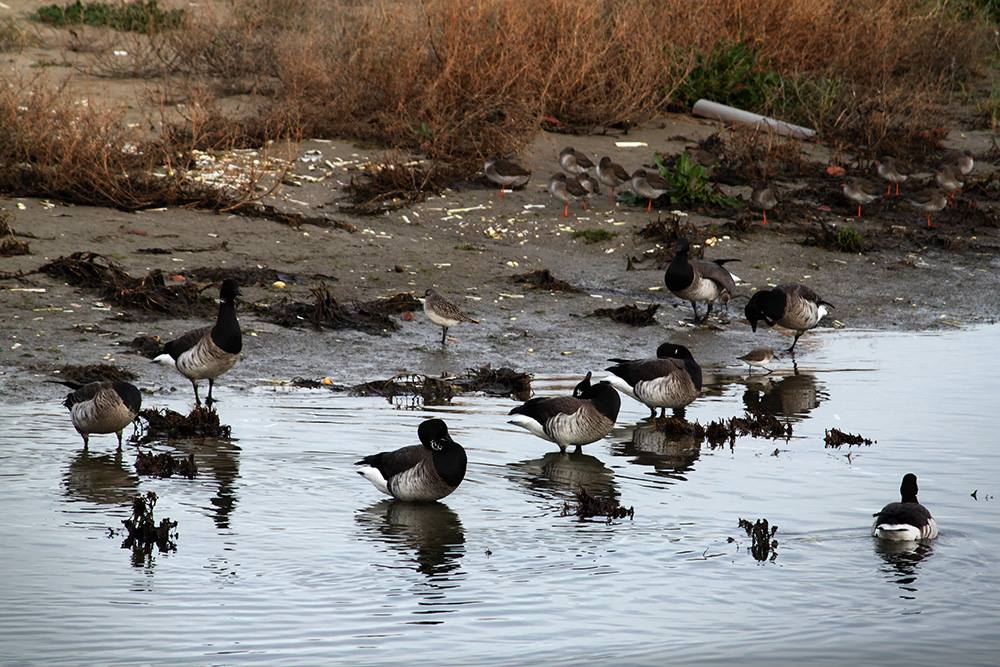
286	556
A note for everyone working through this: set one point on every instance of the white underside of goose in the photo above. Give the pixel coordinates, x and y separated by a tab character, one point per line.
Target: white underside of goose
375	477
904	532
165	359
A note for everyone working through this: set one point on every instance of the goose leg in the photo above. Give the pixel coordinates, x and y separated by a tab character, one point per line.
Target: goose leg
119	440
679	413
792	348
86	441
694	307
197	400
707	312
210	400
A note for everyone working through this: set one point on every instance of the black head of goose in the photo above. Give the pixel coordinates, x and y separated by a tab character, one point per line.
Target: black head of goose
585	417
671	380
420	473
102	407
906	520
699	280
208	352
794	307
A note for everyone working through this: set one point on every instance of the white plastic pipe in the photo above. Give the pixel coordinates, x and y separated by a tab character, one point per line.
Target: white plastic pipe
716	111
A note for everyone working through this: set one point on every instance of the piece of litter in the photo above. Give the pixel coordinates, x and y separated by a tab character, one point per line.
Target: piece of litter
630	144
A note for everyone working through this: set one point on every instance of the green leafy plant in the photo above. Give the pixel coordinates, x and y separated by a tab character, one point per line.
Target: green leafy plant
593	235
141	16
849	240
731	73
689	186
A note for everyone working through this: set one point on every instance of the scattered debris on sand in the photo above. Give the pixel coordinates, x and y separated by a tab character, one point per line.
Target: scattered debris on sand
151	293
835	438
165	465
10	246
542	279
394	184
294	220
147	346
165	424
839	239
94	373
588	506
763	547
371	317
143	531
630	314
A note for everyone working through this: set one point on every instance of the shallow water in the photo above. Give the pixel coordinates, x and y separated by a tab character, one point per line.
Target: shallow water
286	556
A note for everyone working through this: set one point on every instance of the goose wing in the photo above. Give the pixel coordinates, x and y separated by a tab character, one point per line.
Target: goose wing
542	409
717	274
395	462
182	344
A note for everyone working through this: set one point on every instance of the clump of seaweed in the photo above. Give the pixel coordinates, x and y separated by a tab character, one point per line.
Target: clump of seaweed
165	424
395	184
678	426
502	381
543	279
835	438
763	546
756	424
630	314
588	506
94	373
371	317
165	465
147	346
843	239
143	531
422	389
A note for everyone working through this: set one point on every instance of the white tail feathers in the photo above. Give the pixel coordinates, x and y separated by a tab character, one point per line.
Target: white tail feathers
897	531
376	478
622	386
530	425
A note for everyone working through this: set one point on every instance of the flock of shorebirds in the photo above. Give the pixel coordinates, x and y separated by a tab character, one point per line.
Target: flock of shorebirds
579	180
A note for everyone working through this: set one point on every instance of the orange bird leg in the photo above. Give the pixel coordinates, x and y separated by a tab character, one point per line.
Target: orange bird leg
859	211
929	220
649	206
765	216
897	189
888	189
566	210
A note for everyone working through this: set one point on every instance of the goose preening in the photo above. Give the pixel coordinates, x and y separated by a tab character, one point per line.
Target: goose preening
759	357
612	175
648	184
699	280
422	473
585	417
860	193
793	307
671	380
567	190
505	173
444	313
906	520
102	407
573	162
208	352
889	170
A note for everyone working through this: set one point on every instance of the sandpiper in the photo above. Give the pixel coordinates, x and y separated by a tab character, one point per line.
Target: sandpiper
758	357
763	198
793	307
906	520
859	192
208	352
930	200
566	190
963	160
444	313
590	184
102	407
648	184
611	174
574	162
889	171
505	173
950	180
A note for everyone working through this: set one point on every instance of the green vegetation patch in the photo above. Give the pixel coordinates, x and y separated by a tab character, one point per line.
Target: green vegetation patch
143	16
731	73
594	235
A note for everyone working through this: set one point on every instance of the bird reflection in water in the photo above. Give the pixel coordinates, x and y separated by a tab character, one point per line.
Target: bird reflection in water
562	475
792	396
902	563
671	454
431	532
219	459
102	479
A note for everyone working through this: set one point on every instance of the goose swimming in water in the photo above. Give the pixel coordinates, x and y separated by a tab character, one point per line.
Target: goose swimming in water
208	352
906	520
672	380
102	407
793	307
422	473
585	417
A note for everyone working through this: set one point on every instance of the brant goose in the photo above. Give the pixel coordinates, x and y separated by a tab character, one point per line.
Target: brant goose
574	162
585	417
759	357
102	407
208	352
859	192
907	520
612	175
505	173
648	184
889	171
762	198
929	200
699	280
444	313
566	190
422	473
672	380
793	307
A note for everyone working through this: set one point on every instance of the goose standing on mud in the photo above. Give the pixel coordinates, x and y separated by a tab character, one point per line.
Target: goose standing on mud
505	173
585	417
906	520
419	473
672	380
208	352
793	307
699	280
102	407
444	313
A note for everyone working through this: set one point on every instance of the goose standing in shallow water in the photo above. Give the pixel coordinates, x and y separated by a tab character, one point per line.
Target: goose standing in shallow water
907	520
420	473
672	380
699	280
102	407
208	352
585	417
793	307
